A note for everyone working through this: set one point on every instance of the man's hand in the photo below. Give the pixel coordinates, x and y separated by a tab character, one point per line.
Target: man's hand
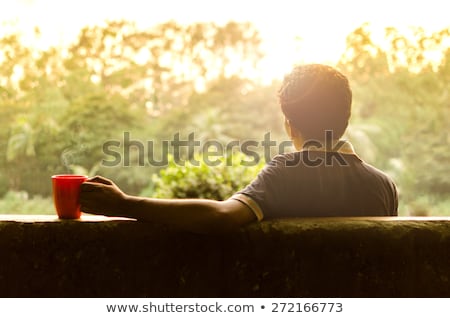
99	195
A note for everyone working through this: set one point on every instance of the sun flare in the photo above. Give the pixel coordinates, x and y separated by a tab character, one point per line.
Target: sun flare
292	32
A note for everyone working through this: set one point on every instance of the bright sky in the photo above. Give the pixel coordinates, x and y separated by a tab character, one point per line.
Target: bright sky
321	25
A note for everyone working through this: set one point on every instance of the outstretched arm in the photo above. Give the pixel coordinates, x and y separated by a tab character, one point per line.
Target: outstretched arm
101	196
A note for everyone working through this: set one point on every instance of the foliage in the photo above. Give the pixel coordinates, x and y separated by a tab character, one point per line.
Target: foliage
3	186
219	181
229	109
427	205
18	202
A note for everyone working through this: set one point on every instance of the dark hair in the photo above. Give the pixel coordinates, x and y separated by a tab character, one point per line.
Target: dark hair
315	99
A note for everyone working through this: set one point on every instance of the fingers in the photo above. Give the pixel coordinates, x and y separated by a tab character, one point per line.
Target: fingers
88	186
99	195
91	198
100	179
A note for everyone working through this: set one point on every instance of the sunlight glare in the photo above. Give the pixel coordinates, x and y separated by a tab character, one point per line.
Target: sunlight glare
293	32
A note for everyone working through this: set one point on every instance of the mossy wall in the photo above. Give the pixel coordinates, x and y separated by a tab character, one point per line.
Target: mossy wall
336	257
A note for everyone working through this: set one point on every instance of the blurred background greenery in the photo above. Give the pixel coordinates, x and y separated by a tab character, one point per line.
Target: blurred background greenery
59	105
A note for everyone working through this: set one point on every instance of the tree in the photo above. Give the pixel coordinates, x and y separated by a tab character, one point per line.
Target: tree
362	57
161	66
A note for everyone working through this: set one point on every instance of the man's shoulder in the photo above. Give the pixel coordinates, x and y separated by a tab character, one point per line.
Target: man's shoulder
376	172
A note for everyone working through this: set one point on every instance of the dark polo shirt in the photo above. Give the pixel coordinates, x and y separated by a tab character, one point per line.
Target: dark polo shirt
319	183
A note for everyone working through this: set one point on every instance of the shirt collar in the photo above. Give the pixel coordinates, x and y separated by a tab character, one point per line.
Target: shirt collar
340	146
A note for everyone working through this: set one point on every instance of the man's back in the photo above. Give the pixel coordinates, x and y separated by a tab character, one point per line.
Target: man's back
317	183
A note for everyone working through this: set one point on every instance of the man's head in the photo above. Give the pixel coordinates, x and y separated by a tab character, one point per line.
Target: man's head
315	99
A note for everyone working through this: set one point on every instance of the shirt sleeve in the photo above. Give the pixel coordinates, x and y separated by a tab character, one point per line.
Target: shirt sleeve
394	205
249	202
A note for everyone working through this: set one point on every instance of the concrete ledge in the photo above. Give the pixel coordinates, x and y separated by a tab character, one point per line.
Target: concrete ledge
330	257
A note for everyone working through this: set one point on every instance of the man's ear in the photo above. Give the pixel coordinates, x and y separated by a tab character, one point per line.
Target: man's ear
291	131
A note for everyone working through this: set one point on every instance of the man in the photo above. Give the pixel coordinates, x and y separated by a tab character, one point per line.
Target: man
323	178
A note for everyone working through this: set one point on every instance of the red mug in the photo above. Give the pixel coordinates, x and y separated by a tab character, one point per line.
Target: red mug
66	195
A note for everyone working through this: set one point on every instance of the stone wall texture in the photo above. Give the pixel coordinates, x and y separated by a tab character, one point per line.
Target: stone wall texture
332	257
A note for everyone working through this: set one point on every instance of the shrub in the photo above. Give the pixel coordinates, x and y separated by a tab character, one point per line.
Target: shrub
202	180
